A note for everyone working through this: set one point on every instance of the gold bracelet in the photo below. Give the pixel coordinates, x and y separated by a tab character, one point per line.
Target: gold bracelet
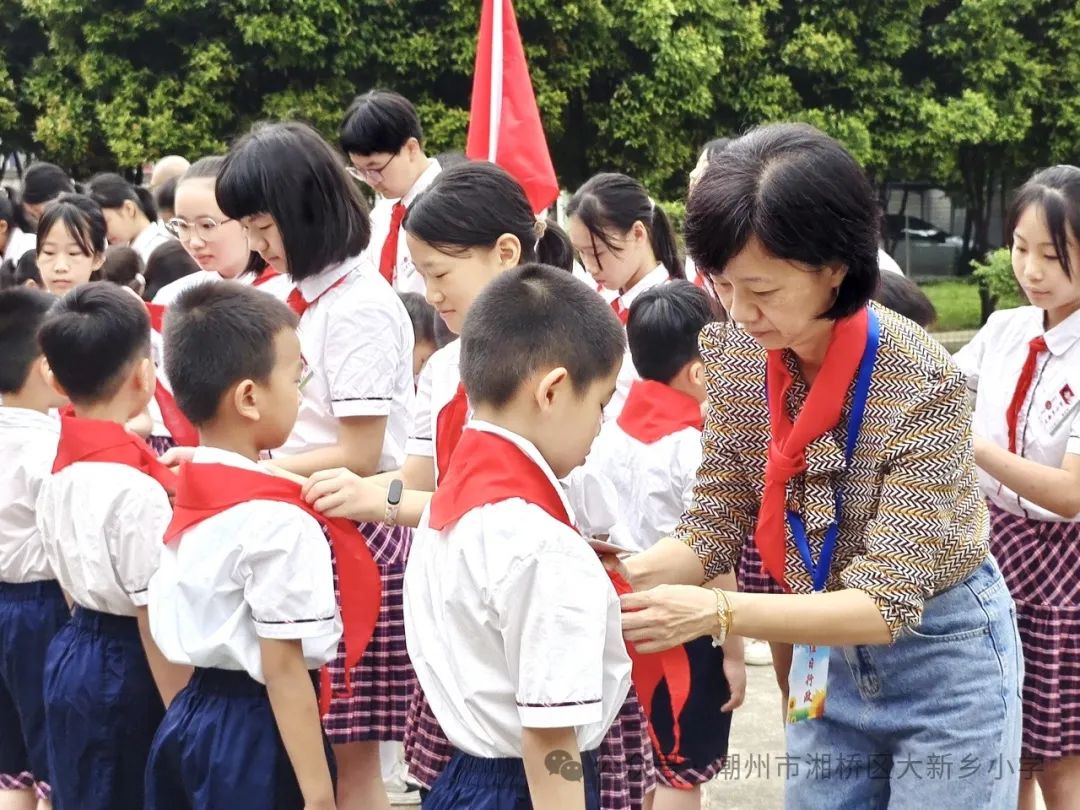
723	617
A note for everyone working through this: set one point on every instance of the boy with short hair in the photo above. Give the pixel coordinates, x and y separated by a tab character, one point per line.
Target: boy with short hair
511	621
651	454
382	136
102	514
32	606
245	589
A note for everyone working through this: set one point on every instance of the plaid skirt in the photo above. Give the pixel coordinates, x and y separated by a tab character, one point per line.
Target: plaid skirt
752	578
625	760
161	444
23	781
1040	561
383	682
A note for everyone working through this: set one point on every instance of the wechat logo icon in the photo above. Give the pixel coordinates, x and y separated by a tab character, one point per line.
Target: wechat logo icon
561	763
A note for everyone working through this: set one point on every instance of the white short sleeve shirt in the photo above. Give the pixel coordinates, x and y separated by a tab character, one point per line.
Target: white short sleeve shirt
103	526
261	569
28	446
438	384
1048	425
406	277
150	239
512	622
357	344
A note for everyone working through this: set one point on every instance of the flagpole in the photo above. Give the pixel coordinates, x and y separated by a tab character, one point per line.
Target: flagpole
495	102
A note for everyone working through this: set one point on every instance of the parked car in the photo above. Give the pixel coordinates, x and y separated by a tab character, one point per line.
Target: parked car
920	247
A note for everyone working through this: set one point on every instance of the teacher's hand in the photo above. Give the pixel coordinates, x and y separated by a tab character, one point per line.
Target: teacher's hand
667	616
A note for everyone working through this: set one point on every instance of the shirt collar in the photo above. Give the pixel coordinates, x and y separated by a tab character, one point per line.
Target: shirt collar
12	416
1062	337
656	276
529	449
215	455
314	286
422	182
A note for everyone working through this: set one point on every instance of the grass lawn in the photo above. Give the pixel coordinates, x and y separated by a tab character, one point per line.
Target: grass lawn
956	302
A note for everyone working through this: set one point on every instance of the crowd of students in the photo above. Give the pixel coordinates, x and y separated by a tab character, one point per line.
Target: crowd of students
311	506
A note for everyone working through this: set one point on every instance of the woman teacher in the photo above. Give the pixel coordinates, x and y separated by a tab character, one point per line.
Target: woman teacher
839	443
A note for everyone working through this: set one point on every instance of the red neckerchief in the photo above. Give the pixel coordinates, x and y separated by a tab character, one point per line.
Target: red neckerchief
266	275
1023	385
488	469
449	425
182	431
101	441
298	304
654	410
207	489
820	414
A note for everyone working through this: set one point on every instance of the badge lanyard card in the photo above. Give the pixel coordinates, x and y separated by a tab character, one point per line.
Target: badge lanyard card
810	663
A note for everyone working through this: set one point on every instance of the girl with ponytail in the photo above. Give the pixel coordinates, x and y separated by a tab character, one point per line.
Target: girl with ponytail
130	213
627	245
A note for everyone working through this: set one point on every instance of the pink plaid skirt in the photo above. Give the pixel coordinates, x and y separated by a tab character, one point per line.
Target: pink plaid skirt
625	760
382	683
24	781
1040	561
751	576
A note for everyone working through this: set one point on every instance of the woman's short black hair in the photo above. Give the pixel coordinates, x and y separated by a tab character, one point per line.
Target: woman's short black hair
110	190
801	195
83	219
379	121
42	182
168	263
663	328
472	204
533	316
217	335
286	170
1056	191
92	337
614	202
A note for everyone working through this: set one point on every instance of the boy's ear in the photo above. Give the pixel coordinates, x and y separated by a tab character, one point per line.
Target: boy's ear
245	400
695	371
50	378
551	386
145	376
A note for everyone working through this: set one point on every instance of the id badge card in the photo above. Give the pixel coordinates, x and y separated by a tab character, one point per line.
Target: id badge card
807	682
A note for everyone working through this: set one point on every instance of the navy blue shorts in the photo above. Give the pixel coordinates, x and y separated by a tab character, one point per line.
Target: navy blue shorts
30	615
101	711
219	747
472	783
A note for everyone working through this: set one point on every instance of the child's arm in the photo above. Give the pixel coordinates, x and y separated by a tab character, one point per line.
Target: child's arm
545	749
734	653
169	678
360	442
296	712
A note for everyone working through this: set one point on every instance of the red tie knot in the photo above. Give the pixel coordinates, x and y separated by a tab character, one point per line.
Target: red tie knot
1038	344
782	467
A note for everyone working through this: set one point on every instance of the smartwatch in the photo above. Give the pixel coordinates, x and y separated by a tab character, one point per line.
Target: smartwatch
393	502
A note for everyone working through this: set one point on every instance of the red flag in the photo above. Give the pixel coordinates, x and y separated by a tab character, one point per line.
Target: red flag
504	123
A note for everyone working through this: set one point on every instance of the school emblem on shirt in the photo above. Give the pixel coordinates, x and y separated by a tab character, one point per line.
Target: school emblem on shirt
1058	406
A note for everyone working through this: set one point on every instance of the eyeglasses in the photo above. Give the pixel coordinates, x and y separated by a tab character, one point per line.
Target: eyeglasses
206	228
370	176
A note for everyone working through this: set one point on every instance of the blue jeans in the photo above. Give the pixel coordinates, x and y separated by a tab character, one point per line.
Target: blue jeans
930	721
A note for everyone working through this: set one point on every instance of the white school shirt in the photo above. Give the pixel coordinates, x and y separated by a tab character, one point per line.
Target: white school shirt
357	342
654	482
406	277
103	526
511	622
627	373
1048	425
260	569
19	243
151	238
590	493
28	446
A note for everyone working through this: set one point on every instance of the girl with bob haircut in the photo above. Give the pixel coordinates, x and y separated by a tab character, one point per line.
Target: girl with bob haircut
627	245
304	216
470	226
855	476
71	243
1024	370
130	213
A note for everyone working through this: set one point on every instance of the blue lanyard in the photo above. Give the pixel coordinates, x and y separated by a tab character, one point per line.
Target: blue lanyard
820	572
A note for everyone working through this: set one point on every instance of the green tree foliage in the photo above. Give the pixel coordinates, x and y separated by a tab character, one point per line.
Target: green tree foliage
967	94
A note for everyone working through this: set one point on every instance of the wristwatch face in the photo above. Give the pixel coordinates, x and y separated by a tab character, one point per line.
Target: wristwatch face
393	495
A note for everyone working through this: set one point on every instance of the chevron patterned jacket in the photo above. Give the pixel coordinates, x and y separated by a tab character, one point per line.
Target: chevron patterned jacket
914	523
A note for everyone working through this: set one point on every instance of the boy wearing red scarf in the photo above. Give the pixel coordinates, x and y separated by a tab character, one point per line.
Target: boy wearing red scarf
651	455
102	514
511	621
245	590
